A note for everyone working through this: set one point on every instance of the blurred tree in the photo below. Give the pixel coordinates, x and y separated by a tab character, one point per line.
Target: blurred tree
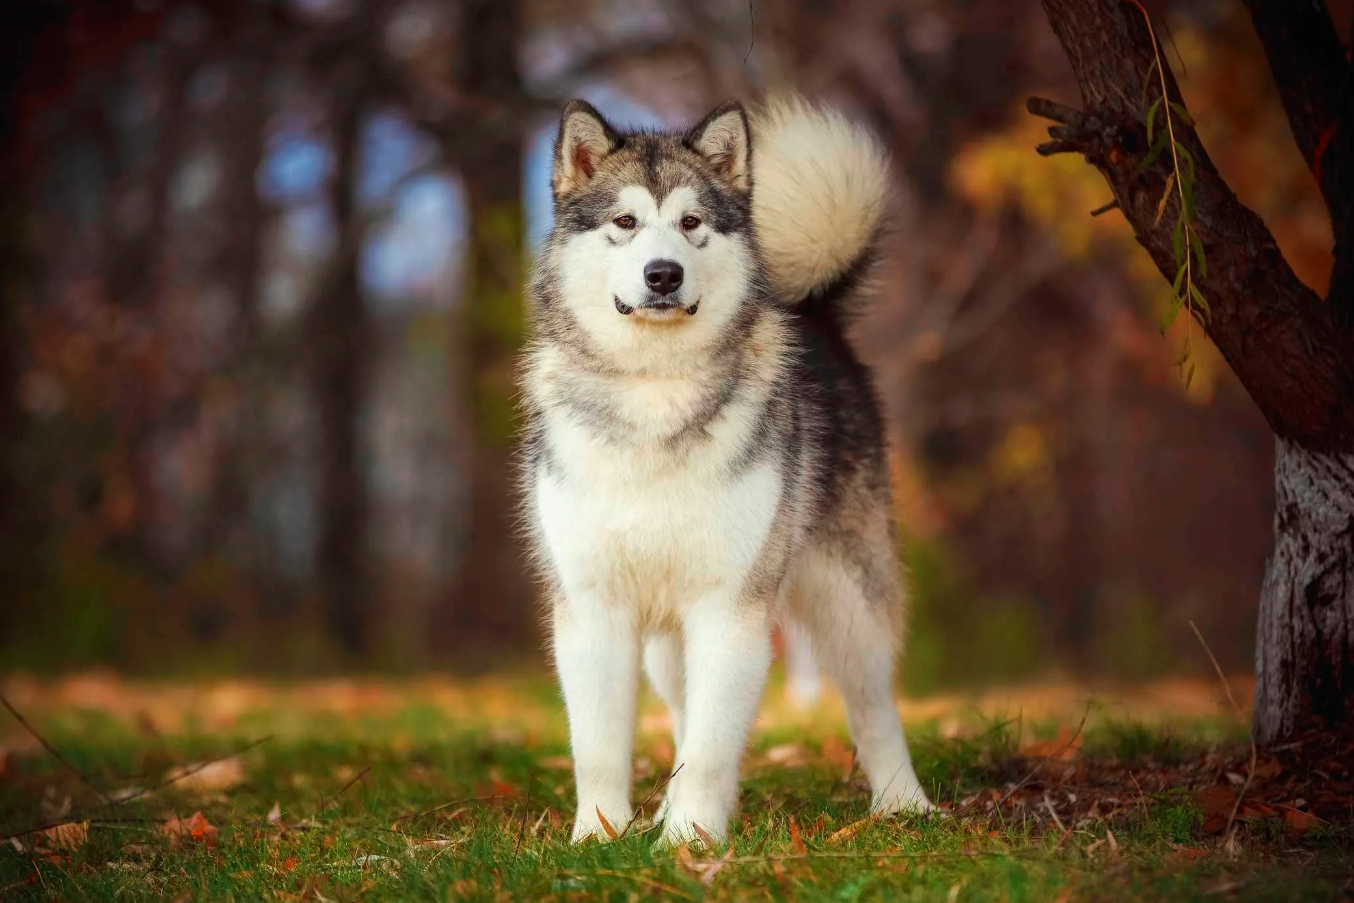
1293	352
341	344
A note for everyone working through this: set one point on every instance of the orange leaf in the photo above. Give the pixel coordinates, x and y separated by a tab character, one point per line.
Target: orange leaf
795	839
606	825
1063	748
70	836
195	829
1299	820
850	830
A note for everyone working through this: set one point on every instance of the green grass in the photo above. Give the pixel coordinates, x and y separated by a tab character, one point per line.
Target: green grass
470	799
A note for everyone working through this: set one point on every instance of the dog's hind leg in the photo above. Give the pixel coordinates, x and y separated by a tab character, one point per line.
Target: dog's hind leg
663	664
597	656
853	622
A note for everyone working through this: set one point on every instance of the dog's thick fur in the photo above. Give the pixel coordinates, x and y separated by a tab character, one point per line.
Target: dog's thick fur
704	462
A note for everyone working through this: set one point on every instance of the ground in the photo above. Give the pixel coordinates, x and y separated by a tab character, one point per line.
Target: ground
440	790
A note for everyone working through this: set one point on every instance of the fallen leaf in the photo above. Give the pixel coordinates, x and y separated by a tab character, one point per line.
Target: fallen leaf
796	840
275	814
194	829
1298	820
1216	803
606	825
223	774
556	763
68	837
786	754
685	861
1189	854
705	837
850	830
1063	748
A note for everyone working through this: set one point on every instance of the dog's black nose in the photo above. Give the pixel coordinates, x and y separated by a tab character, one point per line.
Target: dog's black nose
663	276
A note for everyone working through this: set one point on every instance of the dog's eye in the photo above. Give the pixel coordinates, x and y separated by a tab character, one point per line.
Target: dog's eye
690	222
625	222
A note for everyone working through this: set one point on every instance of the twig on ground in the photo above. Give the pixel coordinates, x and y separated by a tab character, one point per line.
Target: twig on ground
526	810
652	793
492	798
1045	760
1250	769
325	804
82	814
56	753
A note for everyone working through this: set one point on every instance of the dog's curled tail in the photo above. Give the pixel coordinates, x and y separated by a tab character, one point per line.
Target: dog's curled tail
819	190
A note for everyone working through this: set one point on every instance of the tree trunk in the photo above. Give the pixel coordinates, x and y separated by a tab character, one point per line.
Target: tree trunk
341	344
1304	657
1286	345
490	602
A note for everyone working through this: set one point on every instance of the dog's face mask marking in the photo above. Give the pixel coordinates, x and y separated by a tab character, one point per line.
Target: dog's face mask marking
653	233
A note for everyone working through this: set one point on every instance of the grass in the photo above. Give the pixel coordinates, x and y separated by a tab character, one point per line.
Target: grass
429	792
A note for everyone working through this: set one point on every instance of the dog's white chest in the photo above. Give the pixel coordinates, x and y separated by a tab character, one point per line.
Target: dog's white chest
627	528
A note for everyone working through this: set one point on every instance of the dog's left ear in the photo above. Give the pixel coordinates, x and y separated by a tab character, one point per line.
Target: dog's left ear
723	139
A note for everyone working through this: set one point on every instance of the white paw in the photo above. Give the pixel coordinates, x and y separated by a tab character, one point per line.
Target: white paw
903	801
590	823
692	827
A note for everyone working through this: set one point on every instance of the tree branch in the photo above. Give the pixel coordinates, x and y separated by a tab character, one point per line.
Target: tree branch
1309	69
1280	339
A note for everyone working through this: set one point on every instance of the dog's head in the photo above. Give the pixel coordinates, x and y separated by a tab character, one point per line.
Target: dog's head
652	249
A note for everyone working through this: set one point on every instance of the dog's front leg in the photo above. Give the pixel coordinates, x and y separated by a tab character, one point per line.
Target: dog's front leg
727	644
597	654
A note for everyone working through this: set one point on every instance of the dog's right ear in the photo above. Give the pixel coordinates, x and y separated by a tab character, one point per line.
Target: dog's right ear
584	139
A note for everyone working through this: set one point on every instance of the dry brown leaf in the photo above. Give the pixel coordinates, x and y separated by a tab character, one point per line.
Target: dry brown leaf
685	861
1298	820
850	830
786	754
705	837
796	840
1216	803
1266	769
194	829
1063	748
208	777
606	825
68	837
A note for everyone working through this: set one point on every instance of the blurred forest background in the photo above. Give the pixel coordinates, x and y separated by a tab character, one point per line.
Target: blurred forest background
262	267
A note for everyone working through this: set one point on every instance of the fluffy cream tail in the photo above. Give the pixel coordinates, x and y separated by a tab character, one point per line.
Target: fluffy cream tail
819	189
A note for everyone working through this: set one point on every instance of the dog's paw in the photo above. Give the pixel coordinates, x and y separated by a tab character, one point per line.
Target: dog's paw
698	832
904	801
601	823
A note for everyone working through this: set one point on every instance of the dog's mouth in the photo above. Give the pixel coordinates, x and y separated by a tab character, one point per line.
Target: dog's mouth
656	305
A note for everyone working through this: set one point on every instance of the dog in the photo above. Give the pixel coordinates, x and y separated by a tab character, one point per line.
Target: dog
704	454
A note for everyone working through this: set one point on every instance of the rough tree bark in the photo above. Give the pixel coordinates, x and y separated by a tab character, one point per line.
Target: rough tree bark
1292	351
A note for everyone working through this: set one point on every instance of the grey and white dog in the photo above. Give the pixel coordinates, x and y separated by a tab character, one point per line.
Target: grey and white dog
704	453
